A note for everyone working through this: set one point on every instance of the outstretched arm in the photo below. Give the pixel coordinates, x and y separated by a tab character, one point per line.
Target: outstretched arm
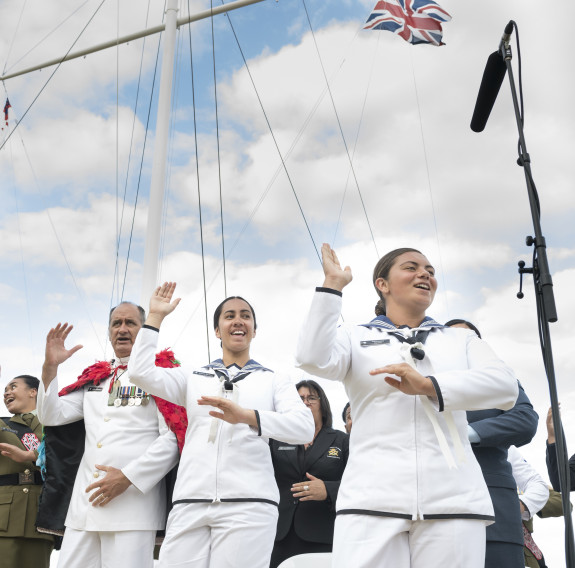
56	352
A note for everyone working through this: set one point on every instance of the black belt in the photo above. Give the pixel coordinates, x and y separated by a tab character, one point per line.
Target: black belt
30	478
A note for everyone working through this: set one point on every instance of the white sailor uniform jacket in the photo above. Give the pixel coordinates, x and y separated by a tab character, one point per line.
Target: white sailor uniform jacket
396	464
221	461
134	439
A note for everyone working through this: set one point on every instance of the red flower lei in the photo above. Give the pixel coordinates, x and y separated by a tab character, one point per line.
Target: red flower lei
175	416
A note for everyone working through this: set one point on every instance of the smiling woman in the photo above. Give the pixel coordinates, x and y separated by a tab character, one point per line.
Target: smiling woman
20	479
226	498
410	447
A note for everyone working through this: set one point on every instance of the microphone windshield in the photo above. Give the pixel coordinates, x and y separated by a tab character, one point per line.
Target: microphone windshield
493	76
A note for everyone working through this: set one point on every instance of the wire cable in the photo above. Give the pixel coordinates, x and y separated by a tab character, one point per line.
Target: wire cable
341	130
218	148
274	138
50	77
198	189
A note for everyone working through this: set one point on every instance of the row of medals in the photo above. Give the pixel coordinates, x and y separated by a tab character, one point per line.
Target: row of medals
127	396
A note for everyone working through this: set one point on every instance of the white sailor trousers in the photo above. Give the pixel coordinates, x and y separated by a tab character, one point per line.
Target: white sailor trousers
370	541
107	549
219	535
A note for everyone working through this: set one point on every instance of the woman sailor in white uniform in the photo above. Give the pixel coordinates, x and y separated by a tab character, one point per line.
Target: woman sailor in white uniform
412	494
225	498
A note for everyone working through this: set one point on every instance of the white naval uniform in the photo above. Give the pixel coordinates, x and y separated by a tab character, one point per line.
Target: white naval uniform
223	463
533	489
134	439
396	467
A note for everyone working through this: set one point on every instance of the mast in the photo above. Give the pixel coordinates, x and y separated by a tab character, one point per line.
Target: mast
157	184
156	202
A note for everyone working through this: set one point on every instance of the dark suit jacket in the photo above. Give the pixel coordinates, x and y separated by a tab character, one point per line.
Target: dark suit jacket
325	459
498	430
553	468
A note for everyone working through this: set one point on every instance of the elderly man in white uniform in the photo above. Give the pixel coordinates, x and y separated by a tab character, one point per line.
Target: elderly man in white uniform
118	501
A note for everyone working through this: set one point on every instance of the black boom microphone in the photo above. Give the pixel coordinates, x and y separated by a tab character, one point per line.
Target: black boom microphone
493	76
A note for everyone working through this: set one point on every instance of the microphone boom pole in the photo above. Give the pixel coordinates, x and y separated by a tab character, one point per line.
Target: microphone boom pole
546	311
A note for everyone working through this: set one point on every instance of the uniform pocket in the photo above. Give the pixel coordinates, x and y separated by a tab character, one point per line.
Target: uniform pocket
5	505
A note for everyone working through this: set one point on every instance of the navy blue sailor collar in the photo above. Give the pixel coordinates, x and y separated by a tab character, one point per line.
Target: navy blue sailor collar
249	367
384	323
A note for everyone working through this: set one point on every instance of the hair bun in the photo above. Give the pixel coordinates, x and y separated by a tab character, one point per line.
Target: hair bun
380	308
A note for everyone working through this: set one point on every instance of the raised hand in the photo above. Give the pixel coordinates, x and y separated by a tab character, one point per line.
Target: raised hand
550	426
161	303
56	352
336	277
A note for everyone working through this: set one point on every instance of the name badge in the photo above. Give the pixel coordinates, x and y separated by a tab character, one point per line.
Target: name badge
287	448
371	342
94	389
204	374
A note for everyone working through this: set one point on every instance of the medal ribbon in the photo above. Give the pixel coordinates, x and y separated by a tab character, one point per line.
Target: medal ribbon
115	375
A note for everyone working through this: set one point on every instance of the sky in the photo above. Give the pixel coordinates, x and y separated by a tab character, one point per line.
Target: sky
78	165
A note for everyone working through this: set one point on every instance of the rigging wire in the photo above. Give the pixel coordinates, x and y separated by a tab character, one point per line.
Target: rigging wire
61	246
139	183
14	35
24	278
119	235
218	147
198	188
274	138
40	41
356	138
429	181
341	130
273	178
118	227
56	68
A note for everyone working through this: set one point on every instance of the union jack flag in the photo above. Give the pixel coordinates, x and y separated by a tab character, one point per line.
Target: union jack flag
416	21
6	107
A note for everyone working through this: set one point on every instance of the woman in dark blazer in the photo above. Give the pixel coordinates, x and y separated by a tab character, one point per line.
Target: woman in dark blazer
308	479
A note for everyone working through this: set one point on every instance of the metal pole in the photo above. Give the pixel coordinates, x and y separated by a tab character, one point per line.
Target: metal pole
156	203
137	35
